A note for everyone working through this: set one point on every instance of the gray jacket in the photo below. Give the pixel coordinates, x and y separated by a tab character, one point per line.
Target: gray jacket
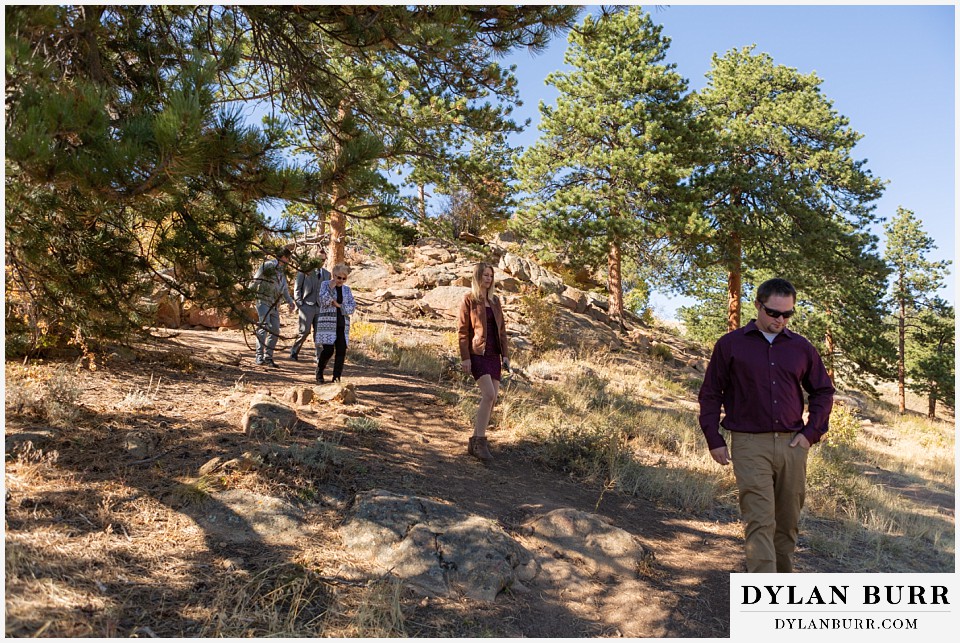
270	283
306	287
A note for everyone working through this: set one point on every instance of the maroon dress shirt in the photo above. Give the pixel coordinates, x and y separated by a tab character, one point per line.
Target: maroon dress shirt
760	386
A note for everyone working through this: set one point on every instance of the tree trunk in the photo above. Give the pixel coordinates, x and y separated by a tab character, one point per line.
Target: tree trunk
615	283
338	220
830	347
422	200
734	283
338	232
902	358
932	402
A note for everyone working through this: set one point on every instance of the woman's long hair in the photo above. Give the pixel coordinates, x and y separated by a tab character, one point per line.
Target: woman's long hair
477	286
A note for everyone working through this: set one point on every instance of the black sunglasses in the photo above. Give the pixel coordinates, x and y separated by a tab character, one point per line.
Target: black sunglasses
778	313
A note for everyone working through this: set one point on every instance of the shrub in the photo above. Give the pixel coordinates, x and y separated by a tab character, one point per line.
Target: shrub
363	331
844	428
420	360
539	317
661	352
387	237
363	425
53	396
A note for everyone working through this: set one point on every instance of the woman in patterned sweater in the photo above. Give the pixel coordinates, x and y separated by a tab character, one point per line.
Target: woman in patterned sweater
333	329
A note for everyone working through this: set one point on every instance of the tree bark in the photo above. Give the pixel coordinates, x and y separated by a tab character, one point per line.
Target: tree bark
338	220
338	232
734	283
830	347
615	282
902	358
932	402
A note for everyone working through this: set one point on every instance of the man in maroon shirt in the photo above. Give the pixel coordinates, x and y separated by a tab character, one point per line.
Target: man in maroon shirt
758	375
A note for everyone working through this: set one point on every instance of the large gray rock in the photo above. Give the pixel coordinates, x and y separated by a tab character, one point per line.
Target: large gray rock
515	265
445	298
370	276
508	284
241	516
434	254
590	538
526	270
434	547
591	568
266	416
432	276
547	281
577	296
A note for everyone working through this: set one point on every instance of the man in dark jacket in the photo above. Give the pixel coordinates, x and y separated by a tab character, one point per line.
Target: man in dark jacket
306	288
758	375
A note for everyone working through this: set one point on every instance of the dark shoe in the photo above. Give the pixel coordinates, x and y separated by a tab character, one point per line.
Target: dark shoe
335	380
270	363
480	449
320	379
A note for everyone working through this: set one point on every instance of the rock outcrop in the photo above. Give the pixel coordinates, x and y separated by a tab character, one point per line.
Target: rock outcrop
434	547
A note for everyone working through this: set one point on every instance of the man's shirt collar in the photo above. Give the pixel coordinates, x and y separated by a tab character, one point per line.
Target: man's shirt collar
752	327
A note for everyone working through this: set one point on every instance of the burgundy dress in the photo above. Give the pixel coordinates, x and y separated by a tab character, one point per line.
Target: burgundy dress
489	362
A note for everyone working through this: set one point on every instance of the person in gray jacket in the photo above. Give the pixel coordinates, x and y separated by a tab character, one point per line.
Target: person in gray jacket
270	284
306	289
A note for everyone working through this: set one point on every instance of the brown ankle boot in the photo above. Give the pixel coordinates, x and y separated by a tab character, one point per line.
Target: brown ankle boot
480	449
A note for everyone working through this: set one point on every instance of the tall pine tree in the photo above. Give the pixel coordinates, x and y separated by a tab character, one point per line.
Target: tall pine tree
370	89
777	184
931	363
121	164
914	283
605	176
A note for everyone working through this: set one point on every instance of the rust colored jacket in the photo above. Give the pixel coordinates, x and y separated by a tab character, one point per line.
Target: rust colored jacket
472	327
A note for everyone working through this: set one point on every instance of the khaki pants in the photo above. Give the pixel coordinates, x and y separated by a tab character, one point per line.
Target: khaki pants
771	478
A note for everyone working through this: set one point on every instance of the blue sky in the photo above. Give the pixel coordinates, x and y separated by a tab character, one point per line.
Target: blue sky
889	69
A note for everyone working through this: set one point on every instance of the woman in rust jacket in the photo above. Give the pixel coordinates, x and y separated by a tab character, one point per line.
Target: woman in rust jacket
483	349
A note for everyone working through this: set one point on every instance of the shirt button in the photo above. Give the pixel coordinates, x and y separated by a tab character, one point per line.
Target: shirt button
774	401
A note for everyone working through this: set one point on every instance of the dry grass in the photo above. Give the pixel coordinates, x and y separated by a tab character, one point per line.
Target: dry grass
879	489
139	399
406	355
633	428
52	395
283	600
611	422
372	611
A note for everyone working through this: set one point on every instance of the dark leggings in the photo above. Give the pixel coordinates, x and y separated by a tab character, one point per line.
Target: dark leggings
340	347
